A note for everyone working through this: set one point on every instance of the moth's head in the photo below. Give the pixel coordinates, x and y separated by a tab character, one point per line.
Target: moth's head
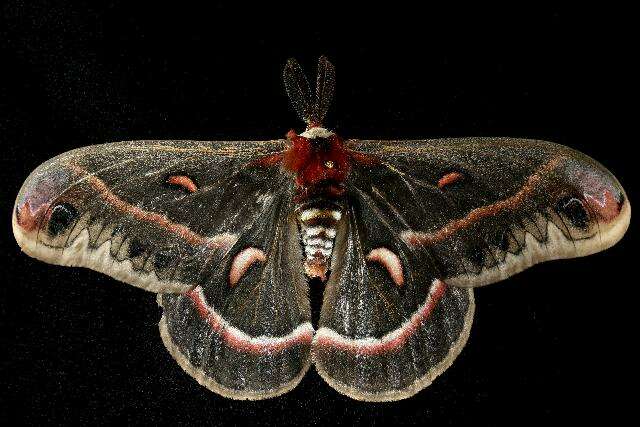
314	139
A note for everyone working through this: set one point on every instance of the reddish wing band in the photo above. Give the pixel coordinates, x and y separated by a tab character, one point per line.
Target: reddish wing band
238	340
391	341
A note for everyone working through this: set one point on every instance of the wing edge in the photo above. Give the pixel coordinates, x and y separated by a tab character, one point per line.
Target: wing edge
80	254
557	246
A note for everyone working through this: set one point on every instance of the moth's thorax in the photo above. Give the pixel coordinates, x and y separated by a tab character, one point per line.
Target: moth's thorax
318	159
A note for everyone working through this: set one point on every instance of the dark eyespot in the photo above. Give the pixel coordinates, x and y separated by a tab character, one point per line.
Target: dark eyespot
163	259
136	248
62	216
574	211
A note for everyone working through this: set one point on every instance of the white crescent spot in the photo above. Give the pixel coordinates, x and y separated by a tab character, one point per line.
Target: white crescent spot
243	261
390	261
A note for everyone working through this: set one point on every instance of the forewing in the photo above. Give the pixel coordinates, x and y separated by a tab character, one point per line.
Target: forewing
487	208
145	212
207	220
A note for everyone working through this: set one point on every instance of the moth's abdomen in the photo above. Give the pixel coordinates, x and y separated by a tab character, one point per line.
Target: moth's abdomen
318	227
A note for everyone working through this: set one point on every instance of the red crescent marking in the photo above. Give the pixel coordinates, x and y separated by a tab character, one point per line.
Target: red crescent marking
242	262
183	181
244	342
390	261
218	241
405	331
419	238
448	179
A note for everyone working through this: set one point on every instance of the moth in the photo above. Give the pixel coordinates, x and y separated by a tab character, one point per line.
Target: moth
228	234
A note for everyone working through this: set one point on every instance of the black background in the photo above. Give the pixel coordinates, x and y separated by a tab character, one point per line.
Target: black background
549	343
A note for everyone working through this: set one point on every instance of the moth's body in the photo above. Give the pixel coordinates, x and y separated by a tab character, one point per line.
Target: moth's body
228	234
318	160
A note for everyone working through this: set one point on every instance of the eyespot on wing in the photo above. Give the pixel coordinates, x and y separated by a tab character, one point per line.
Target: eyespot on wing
594	199
40	205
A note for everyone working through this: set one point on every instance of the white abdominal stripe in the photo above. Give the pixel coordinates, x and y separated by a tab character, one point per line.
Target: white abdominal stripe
312	213
241	341
311	251
312	232
318	237
556	246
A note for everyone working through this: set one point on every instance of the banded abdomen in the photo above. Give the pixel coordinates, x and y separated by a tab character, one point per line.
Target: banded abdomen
317	223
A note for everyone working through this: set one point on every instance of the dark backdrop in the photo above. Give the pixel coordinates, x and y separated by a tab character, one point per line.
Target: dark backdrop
548	343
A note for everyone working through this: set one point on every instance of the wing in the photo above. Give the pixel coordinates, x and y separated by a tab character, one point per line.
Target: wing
248	337
487	208
388	325
428	220
206	220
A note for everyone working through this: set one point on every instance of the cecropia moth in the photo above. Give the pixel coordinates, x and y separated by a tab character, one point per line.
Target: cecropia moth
228	233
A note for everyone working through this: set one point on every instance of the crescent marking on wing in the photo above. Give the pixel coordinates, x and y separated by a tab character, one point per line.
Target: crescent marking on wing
242	261
390	261
449	179
184	182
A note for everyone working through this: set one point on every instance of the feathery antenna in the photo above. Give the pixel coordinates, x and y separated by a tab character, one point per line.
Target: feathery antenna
311	109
